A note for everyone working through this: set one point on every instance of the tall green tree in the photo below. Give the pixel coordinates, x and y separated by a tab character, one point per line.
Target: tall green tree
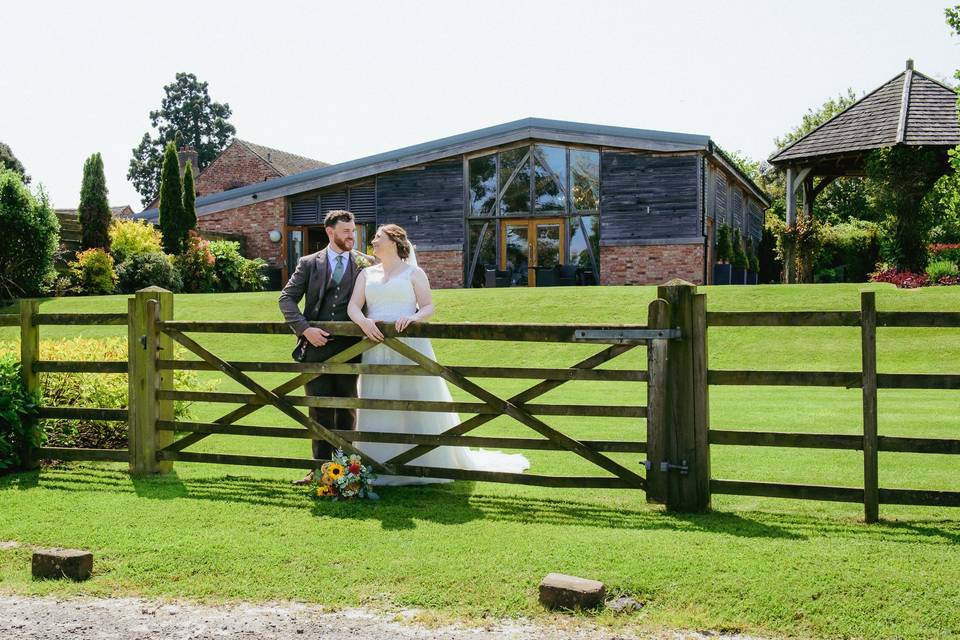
187	111
31	234
94	209
172	227
9	161
900	178
189	198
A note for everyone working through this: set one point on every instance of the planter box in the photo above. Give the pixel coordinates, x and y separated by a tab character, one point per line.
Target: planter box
721	273
752	277
738	276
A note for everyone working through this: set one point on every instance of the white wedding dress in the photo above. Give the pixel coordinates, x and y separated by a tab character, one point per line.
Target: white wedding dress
387	301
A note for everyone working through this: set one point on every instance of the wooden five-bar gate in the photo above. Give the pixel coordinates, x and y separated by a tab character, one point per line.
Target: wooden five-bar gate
676	470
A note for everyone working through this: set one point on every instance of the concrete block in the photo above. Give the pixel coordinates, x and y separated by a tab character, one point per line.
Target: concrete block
75	564
559	591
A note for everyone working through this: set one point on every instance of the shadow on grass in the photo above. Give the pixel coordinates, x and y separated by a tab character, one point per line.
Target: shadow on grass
461	502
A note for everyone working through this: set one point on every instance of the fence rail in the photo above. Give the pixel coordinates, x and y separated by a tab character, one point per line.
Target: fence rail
676	409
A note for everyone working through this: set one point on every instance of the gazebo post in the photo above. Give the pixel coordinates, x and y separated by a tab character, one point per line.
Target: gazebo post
806	273
789	266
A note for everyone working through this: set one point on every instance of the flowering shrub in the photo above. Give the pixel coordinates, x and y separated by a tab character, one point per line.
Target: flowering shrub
902	279
197	265
129	238
92	272
910	280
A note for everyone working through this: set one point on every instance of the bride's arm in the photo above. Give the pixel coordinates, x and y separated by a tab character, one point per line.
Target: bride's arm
355	309
425	306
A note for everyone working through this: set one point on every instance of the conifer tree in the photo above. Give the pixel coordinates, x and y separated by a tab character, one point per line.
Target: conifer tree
94	209
171	221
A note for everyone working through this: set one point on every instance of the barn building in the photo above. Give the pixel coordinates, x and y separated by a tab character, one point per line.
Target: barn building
528	203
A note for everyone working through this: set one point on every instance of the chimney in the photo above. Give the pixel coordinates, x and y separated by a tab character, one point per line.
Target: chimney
185	155
909	64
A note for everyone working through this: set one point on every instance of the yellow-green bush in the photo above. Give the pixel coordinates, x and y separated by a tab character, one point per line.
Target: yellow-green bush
100	390
92	273
129	238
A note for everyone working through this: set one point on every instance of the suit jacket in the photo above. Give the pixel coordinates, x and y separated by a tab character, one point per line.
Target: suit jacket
311	279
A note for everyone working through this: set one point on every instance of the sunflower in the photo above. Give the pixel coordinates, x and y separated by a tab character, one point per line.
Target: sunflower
335	470
326	480
324	491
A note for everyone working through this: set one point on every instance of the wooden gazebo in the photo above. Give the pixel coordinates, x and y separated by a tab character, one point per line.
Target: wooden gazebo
911	109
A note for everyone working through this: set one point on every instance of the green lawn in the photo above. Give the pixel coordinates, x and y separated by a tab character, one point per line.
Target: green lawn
468	549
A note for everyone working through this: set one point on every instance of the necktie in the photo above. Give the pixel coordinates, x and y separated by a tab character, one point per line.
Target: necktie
338	270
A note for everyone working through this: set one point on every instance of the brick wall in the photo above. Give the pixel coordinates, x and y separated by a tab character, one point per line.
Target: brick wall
444	268
254	221
237	166
653	264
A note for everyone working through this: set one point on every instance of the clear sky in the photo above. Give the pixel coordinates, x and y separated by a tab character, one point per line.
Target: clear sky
341	80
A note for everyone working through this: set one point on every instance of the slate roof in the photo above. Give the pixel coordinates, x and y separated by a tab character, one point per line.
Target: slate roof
285	163
122	211
910	109
528	128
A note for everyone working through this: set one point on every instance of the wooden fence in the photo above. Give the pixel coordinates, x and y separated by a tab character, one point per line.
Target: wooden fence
869	320
678	434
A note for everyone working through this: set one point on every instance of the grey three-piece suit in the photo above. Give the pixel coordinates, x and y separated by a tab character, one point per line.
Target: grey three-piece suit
326	300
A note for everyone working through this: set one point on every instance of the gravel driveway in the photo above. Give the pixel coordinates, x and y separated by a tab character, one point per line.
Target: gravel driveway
27	618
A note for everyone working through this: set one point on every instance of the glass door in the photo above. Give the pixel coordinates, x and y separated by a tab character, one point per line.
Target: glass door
532	249
295	247
515	252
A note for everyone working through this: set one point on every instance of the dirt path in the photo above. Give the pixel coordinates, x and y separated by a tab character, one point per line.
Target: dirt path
26	618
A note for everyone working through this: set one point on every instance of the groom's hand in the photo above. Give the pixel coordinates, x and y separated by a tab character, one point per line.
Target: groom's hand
316	336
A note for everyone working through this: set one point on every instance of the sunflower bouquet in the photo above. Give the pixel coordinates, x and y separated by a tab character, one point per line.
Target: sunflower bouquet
344	478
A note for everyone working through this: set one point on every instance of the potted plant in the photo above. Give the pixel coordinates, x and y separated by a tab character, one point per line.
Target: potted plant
753	263
739	261
722	269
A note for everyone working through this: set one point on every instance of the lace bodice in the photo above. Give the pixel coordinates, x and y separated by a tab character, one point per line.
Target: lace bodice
392	299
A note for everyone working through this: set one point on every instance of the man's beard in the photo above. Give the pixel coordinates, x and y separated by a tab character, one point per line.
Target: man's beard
339	244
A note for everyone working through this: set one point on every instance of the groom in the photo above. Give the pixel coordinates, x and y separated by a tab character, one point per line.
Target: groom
326	278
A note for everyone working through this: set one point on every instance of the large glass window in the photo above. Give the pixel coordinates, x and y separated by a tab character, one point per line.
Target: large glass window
549	178
585	180
584	247
482	251
483	184
515	181
509	190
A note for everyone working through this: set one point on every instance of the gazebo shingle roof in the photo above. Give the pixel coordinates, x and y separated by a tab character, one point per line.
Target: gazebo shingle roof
910	109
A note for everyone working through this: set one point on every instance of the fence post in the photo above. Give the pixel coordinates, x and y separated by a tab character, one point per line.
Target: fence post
868	353
146	344
658	317
29	353
687	401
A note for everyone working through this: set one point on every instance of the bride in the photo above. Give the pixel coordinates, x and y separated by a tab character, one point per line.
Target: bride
396	290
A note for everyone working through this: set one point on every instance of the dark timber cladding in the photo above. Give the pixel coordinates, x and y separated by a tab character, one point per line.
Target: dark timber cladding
648	197
427	201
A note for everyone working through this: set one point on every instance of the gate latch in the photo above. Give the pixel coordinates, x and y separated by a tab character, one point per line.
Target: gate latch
666	466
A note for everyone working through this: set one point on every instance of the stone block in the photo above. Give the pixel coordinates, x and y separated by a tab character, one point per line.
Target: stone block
75	564
559	591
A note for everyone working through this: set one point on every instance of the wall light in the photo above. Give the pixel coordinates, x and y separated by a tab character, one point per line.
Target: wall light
274	235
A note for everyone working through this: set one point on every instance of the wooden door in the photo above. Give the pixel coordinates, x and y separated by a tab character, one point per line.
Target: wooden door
528	243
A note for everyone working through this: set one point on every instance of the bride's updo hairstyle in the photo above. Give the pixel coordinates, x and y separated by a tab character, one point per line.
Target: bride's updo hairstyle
399	237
